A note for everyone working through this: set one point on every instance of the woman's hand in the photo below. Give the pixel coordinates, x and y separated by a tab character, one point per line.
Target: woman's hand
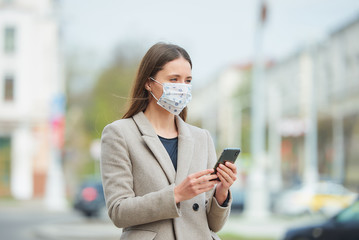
195	184
227	174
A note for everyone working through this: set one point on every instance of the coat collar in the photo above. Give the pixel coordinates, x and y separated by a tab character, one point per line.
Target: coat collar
185	147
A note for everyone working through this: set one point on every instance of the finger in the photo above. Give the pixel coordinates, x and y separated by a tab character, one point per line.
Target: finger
225	176
207	186
227	170
203	178
203	190
225	184
212	177
202	173
232	166
208	177
223	180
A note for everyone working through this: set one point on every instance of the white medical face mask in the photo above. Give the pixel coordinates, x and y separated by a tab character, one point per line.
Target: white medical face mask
175	96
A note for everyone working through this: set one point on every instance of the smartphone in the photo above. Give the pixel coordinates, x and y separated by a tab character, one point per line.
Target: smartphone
228	155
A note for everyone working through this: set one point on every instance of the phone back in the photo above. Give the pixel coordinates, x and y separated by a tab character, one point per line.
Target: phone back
229	154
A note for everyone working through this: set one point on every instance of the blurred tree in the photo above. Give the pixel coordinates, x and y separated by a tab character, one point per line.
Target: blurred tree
110	93
243	96
80	75
96	96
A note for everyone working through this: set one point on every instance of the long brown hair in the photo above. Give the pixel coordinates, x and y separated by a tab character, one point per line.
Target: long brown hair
153	61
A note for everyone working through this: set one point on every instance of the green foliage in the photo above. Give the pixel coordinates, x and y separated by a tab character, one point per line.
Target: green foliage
231	236
243	96
88	167
91	105
109	98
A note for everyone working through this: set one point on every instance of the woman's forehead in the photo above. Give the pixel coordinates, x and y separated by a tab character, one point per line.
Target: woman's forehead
179	66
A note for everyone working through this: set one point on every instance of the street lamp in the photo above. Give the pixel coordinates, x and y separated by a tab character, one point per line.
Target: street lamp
257	196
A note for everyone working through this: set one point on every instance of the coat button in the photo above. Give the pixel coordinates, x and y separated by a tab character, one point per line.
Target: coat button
195	207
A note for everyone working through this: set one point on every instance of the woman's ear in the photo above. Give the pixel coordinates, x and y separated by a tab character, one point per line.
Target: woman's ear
147	86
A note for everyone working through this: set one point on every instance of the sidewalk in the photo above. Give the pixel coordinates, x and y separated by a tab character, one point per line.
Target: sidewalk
99	228
70	225
271	227
33	221
77	231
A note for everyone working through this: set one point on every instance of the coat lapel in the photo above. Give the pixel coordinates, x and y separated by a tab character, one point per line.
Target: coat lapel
154	144
185	150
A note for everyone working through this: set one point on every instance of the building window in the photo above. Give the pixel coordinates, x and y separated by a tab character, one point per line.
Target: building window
5	166
9	88
9	39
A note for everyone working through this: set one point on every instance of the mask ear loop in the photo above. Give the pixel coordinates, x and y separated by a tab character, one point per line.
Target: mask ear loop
153	96
150	89
156	81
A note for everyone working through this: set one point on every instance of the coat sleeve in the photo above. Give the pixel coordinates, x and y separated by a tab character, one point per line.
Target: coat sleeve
124	207
216	214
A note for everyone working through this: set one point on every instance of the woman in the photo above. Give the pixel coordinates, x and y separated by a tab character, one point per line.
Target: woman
156	169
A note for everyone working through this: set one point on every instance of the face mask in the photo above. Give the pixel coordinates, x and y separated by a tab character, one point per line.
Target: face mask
175	96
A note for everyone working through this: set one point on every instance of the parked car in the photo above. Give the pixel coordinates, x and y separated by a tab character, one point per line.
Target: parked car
90	199
343	226
237	200
327	198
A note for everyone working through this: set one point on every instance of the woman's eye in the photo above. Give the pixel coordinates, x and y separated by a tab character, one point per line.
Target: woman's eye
173	79
188	81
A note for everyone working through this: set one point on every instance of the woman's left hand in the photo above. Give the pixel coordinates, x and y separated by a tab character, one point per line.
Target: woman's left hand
227	174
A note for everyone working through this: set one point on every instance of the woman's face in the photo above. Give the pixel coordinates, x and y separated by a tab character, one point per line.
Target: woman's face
176	71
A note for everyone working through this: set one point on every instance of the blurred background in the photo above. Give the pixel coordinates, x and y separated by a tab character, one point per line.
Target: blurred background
277	78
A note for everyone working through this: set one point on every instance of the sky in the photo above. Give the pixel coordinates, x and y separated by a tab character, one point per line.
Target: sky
217	34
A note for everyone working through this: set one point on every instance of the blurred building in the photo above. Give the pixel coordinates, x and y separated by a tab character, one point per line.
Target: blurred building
215	106
220	108
317	92
312	111
31	83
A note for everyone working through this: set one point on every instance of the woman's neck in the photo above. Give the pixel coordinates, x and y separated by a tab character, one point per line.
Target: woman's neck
162	121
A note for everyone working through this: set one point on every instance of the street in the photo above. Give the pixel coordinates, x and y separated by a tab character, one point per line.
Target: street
30	221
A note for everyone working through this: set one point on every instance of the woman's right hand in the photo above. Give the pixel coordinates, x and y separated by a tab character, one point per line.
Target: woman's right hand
195	184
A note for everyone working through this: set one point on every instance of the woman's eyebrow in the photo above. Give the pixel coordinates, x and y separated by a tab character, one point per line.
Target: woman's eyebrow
177	75
174	75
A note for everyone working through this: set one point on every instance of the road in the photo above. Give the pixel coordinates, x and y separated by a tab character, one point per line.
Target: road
30	221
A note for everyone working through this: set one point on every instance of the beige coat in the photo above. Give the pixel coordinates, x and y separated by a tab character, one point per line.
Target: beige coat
139	179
